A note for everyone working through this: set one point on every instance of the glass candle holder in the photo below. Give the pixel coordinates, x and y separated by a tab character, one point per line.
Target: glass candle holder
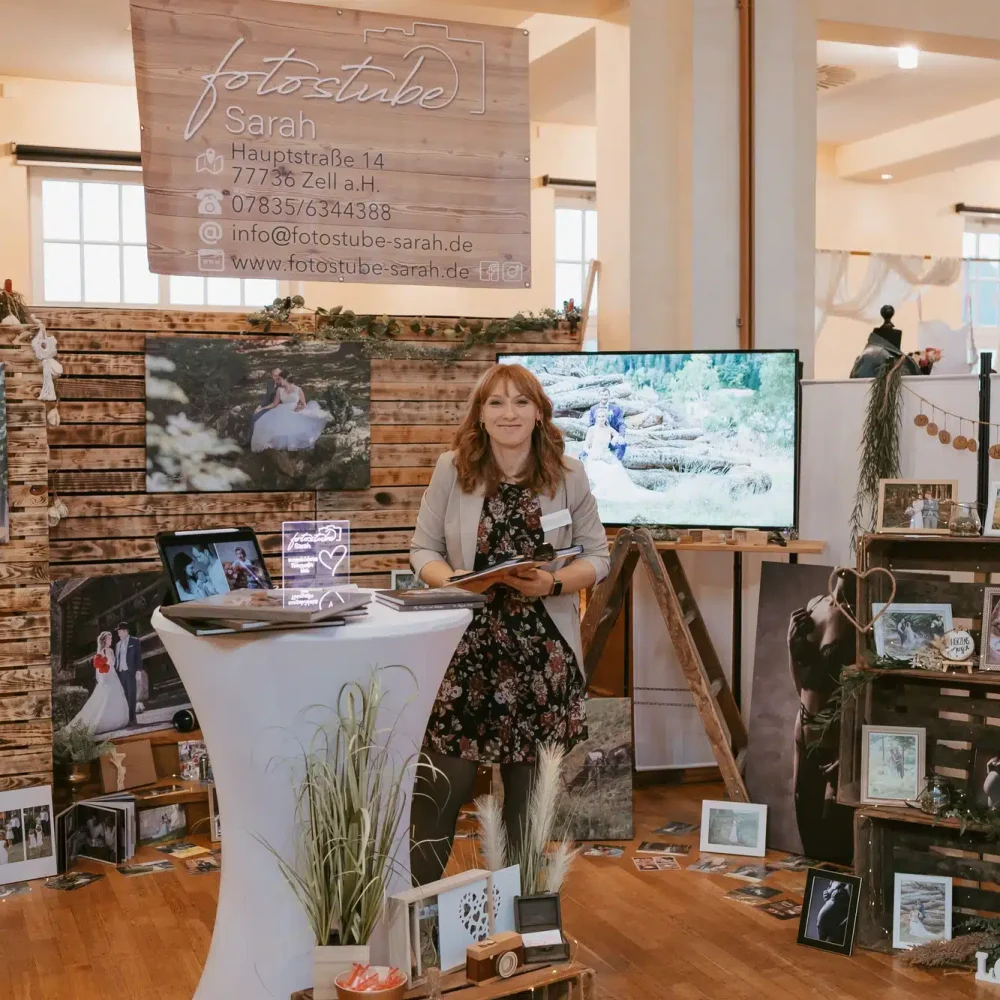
964	519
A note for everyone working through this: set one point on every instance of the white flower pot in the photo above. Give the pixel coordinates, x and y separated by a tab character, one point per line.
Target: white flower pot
329	961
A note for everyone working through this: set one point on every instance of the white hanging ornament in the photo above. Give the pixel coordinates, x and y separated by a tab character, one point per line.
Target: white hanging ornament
52	417
46	347
57	512
10	320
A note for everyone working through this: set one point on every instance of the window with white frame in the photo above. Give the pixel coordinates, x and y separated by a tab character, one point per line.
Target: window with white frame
89	248
576	247
981	250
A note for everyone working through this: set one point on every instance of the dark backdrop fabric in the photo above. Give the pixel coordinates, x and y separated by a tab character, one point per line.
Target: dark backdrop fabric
774	705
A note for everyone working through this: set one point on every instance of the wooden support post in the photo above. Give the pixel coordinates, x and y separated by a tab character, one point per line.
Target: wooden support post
608	600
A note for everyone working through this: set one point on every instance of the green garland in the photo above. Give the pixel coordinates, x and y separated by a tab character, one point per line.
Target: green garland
879	445
380	333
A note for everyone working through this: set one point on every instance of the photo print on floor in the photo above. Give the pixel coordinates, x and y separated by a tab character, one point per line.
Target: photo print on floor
256	414
110	671
596	801
921	909
803	642
830	911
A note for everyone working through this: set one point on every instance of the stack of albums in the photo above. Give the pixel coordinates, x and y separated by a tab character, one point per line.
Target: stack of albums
100	829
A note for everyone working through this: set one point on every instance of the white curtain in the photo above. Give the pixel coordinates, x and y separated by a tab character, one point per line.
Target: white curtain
889	279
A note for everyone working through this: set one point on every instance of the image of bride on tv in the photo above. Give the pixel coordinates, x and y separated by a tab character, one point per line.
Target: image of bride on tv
288	422
603	449
107	707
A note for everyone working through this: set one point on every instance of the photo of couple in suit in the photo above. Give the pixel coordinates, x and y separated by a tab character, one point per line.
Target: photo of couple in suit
110	672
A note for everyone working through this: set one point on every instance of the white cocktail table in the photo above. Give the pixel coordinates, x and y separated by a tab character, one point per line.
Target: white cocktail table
256	698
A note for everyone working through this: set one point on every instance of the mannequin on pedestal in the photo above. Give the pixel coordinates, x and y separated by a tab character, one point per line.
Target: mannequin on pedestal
883	345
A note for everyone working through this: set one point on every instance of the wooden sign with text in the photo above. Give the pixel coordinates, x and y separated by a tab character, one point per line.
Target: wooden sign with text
312	143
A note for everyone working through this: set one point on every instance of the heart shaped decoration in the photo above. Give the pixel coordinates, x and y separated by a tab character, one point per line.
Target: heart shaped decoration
330	559
845	611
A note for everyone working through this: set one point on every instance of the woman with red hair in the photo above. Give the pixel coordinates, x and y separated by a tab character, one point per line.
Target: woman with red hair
516	679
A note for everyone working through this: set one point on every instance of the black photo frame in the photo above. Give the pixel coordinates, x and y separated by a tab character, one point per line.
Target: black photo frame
830	910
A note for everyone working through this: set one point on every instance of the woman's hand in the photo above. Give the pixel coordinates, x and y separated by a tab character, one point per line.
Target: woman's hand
531	583
800	627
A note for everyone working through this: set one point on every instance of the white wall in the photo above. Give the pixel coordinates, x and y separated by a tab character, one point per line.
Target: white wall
96	116
910	217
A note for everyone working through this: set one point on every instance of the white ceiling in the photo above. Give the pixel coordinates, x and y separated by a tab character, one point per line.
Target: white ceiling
88	40
883	98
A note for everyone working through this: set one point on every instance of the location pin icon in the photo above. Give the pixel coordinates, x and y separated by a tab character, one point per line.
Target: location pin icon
209	155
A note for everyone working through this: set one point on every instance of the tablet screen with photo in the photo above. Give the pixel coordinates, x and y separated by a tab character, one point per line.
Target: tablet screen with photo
206	563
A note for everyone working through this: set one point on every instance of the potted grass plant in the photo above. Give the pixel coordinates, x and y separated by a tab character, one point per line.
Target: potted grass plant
350	805
77	747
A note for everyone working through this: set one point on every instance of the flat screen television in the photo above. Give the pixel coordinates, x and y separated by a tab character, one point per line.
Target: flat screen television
686	439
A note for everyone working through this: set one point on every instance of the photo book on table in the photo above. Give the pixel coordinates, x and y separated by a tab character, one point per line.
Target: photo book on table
99	829
292	606
434	599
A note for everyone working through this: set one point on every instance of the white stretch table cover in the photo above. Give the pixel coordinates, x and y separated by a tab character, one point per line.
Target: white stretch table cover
256	698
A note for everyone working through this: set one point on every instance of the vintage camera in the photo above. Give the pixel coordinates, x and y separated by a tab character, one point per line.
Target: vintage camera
498	956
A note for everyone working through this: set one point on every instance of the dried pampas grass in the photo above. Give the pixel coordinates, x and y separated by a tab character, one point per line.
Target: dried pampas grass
959	951
492	832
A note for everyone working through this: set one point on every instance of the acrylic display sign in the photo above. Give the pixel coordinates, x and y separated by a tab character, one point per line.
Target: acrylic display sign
315	554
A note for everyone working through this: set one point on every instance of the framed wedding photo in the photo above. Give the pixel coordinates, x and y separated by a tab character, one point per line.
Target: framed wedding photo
26	835
902	630
830	911
733	828
921	909
991	525
911	506
892	764
989	640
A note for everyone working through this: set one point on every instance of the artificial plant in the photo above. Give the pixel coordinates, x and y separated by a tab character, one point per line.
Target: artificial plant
78	744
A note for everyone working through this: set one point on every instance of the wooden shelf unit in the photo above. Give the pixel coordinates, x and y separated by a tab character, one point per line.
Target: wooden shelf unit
959	711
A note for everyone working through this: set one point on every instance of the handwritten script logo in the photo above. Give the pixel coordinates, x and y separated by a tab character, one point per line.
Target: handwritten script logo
363	81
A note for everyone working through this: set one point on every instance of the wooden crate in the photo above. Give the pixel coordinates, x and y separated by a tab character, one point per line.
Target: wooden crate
890	840
958	710
559	982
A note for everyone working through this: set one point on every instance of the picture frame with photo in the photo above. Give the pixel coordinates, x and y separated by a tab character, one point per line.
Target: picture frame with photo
161	823
921	909
733	828
984	782
893	761
214	822
27	835
830	910
902	630
915	506
406	579
989	636
991	524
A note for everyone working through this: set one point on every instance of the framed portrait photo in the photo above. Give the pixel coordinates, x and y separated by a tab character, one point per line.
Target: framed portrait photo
989	641
915	506
733	828
830	911
902	630
985	784
892	763
991	525
921	909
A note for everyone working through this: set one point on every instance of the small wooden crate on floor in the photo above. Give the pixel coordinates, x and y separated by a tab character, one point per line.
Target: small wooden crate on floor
889	840
559	982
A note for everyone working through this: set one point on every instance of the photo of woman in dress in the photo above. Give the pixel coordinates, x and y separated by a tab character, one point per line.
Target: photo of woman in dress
601	456
288	423
516	679
107	707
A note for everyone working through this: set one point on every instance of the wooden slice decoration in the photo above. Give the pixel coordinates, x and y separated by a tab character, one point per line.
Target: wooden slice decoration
921	419
971	445
960	443
944	436
932	429
995	451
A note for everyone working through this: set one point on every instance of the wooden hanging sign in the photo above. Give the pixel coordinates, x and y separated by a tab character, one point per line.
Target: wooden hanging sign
314	143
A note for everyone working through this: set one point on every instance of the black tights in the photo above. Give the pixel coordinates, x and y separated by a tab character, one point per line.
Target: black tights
437	800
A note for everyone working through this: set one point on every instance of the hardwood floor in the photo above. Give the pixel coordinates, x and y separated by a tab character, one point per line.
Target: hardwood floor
670	935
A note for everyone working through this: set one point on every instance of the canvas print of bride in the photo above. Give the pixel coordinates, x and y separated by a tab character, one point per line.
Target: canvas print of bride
256	414
110	672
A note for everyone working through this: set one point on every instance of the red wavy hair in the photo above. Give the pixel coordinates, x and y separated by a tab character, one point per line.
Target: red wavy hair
473	455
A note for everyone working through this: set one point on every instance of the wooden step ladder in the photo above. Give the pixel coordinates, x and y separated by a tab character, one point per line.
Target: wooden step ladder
699	661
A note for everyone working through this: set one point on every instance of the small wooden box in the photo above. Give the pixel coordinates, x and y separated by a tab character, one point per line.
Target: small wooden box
486	959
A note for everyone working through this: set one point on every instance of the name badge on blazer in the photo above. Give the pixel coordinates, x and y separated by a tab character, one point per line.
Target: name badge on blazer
557	519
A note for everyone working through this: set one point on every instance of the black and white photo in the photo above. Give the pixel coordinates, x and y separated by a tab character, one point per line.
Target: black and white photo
256	414
733	828
914	506
26	836
921	909
97	834
985	784
830	911
902	630
110	672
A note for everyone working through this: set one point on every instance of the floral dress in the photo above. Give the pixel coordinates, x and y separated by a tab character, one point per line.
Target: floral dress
513	682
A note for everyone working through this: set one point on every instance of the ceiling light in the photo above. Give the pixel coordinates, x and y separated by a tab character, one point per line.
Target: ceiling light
887	177
908	57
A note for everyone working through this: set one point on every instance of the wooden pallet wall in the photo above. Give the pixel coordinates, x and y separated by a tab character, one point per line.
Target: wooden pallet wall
25	676
97	461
